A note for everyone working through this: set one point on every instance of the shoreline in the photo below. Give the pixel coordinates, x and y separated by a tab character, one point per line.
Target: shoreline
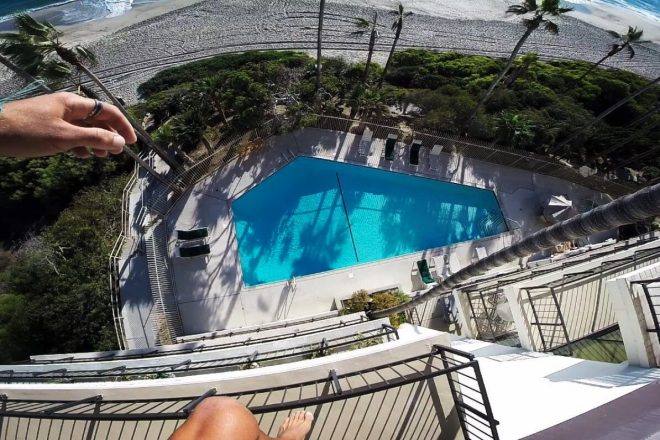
601	15
151	37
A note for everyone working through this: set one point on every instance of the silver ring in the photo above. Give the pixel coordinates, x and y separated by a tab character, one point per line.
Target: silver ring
98	108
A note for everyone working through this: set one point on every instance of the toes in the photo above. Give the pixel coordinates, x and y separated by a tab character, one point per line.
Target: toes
309	416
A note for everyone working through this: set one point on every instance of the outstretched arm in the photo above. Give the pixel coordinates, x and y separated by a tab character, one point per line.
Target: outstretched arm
62	122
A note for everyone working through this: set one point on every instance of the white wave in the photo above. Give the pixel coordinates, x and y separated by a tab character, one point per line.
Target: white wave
118	7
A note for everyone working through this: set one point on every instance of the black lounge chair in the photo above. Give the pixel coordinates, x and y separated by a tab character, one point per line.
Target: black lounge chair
390	143
194	251
414	152
193	234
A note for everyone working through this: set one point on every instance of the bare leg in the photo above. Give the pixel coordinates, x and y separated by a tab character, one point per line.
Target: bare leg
219	418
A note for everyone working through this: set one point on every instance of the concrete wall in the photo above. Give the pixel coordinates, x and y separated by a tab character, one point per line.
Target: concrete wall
635	317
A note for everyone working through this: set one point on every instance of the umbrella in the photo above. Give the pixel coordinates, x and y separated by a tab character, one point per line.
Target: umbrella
558	208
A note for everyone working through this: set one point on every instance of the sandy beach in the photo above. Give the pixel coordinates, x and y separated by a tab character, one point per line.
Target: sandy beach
134	46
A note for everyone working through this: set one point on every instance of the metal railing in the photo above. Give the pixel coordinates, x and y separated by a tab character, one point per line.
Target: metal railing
605	345
474	149
229	148
114	257
410	392
576	306
189	365
652	296
484	295
197	347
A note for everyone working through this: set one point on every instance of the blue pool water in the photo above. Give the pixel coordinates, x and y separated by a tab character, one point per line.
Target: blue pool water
316	215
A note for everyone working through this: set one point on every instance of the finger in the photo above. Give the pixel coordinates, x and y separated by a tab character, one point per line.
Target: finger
100	153
79	109
72	136
80	152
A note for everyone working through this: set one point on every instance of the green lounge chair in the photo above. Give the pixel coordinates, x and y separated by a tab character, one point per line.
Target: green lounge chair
194	251
193	234
414	152
424	272
390	143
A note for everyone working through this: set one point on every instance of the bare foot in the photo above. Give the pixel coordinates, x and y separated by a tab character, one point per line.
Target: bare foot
296	426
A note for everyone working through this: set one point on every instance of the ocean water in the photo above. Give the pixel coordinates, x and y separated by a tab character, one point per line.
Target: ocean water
69	11
650	8
316	215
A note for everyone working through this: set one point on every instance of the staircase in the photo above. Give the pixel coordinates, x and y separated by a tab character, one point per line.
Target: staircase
166	318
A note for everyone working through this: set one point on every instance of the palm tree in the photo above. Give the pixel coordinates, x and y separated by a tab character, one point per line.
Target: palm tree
633	36
34	46
547	7
363	27
23	74
629	209
523	63
397	26
601	116
514	129
318	44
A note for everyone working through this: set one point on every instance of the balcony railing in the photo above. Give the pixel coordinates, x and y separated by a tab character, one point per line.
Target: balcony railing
576	306
651	289
187	365
405	399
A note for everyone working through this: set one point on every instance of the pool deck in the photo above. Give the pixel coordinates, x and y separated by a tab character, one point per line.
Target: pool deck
209	290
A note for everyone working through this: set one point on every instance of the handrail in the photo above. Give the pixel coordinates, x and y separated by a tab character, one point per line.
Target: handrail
199	346
16	375
461	370
113	260
654	307
632	208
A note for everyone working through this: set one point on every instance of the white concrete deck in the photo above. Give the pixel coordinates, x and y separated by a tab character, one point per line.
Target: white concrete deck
531	391
209	290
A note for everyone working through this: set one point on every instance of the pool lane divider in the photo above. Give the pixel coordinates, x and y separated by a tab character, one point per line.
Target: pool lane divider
348	220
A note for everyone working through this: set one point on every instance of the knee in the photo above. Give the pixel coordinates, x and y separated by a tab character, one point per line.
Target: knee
218	404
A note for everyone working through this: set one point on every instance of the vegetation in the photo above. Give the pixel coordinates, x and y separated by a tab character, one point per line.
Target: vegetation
38	50
537	106
59	276
539	17
624	42
54	293
361	301
397	27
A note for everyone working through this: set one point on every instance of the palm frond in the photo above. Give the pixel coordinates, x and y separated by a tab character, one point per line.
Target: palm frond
551	27
631	51
362	23
41	30
408	14
54	71
86	55
358	33
517	9
531	5
395	25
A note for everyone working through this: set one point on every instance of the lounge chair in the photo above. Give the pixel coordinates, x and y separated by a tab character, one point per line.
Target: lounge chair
364	148
414	152
193	234
481	253
454	263
390	143
194	251
424	272
434	157
440	266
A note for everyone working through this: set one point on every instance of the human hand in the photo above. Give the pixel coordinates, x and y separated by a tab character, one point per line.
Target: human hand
60	122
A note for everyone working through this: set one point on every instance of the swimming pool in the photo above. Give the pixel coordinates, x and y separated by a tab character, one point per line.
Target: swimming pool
315	215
